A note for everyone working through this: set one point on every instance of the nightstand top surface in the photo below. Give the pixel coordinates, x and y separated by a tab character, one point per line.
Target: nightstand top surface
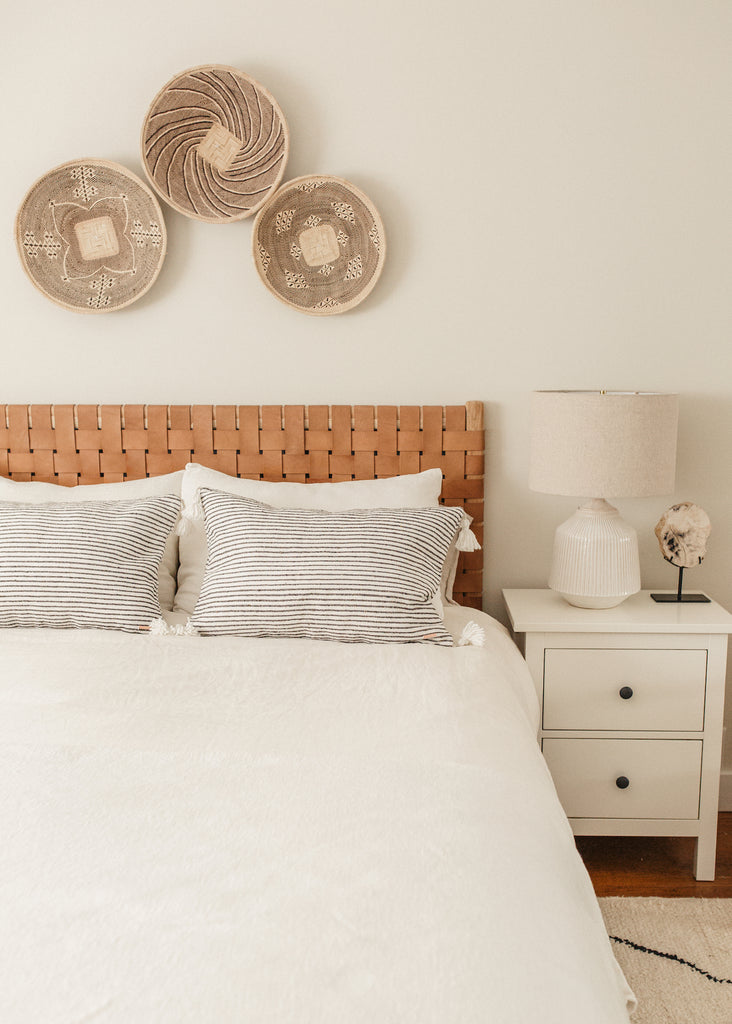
544	611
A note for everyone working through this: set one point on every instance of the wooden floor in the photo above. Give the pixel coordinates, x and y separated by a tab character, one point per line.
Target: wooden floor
659	866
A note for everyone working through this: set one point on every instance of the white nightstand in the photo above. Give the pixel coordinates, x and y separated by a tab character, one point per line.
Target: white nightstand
632	703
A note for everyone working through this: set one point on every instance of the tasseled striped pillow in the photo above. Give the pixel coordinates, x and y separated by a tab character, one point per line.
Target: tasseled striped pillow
90	565
369	575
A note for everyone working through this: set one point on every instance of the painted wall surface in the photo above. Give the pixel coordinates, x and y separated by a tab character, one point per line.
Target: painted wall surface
555	183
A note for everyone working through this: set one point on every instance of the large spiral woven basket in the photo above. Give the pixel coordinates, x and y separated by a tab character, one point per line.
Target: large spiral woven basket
215	144
91	236
319	245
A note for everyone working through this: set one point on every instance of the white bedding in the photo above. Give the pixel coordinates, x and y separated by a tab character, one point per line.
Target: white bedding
285	832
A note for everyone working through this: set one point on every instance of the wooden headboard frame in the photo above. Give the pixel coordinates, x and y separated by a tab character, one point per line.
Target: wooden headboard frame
88	444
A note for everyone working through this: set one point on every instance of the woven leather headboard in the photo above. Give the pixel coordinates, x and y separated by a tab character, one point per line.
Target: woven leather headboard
87	444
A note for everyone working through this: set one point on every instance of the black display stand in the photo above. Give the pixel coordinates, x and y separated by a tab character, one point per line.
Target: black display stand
678	597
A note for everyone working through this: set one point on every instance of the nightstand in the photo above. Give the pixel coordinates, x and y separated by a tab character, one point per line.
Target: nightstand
632	701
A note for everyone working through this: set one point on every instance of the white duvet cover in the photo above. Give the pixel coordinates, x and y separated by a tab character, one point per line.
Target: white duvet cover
285	832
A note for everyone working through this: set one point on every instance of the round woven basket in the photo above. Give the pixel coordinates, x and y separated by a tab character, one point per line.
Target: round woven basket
215	143
319	245
91	236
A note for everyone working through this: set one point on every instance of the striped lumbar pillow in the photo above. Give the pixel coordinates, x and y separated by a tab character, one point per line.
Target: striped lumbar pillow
367	575
34	492
411	490
80	565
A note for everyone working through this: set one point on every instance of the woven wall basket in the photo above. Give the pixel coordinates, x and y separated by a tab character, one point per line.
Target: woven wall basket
215	143
319	245
91	236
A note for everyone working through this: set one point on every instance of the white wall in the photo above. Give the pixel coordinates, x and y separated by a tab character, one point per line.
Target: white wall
554	178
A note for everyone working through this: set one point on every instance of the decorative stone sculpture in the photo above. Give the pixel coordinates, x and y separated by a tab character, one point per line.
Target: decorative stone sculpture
683	531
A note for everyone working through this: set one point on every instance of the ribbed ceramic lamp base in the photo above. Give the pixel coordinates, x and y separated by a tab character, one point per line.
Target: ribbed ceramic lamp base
595	563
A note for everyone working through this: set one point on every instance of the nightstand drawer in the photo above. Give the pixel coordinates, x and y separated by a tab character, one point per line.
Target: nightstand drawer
624	689
663	777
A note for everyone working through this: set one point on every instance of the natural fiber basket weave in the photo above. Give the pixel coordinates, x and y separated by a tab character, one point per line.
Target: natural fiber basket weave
215	143
91	236
319	245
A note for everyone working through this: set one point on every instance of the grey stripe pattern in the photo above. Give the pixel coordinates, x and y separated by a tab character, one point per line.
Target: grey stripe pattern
368	575
86	565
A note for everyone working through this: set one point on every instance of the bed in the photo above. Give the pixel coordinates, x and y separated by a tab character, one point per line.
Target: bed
200	826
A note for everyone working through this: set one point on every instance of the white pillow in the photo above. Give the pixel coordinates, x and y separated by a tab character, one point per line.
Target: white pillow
34	493
83	565
359	576
414	490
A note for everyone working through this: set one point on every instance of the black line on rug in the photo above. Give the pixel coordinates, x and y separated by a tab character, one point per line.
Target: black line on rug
671	956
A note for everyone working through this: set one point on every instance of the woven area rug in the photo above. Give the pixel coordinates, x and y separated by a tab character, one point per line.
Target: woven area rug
676	955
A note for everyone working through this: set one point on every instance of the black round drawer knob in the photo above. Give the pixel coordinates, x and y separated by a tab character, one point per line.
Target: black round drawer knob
626	692
622	782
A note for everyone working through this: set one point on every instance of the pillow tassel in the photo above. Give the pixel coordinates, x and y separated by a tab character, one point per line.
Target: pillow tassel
159	627
192	513
472	635
466	539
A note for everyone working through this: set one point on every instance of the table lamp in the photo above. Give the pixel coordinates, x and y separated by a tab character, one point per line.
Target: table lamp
598	445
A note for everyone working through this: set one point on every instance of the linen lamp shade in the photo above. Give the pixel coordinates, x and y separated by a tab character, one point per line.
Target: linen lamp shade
610	444
595	445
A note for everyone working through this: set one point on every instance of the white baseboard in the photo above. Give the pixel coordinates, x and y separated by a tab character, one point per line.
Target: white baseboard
725	790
